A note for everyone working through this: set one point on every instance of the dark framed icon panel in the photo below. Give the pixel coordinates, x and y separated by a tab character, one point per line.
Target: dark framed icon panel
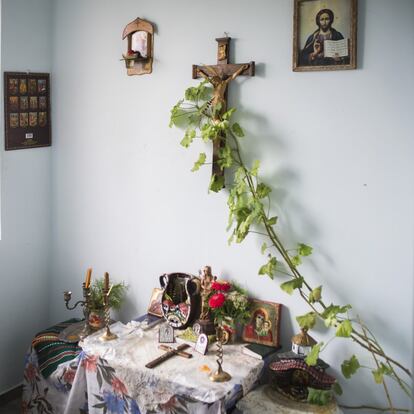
27	117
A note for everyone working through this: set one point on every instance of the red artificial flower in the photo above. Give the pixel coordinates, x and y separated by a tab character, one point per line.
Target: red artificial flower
217	300
221	286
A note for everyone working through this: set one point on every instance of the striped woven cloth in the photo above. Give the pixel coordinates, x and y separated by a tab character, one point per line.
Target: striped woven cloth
50	351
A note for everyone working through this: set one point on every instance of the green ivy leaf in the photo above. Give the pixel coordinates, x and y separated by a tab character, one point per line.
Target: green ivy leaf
262	190
296	260
319	397
216	183
225	157
304	250
263	249
336	387
272	221
350	367
291	285
175	112
312	358
228	114
344	329
378	376
330	313
255	168
199	162
315	295
269	268
307	321
188	137
380	372
237	129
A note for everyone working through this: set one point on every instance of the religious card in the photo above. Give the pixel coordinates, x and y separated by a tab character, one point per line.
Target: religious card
33	119
24	119
32	86
14	120
201	345
27	110
42	102
14	103
41	86
23	86
42	119
13	86
24	103
166	334
33	102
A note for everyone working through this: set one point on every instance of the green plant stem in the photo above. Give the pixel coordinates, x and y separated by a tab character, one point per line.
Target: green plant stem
356	336
387	393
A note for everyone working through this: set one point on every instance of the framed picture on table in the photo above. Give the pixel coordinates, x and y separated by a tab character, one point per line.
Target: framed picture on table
324	35
155	306
264	325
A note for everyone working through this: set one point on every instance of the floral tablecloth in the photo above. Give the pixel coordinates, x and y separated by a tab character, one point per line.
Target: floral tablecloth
111	377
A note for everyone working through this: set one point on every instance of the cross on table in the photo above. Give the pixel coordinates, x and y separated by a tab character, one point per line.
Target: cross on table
220	76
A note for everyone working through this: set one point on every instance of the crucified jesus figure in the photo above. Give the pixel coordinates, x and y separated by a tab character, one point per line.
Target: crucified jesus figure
219	82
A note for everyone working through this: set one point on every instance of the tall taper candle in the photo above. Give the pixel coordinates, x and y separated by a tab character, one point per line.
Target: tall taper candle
88	278
106	284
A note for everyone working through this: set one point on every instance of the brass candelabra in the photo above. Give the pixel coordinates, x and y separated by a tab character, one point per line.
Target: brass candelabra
108	335
85	303
220	375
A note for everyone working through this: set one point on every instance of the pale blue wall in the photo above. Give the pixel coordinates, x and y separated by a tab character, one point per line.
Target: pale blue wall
25	198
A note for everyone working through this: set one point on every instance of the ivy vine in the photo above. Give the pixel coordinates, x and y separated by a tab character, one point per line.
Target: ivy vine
249	204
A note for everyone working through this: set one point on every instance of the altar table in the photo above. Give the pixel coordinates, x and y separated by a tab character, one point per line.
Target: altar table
111	377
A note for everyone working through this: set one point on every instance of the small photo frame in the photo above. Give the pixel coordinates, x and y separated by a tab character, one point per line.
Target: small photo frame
201	345
166	334
155	305
263	327
324	35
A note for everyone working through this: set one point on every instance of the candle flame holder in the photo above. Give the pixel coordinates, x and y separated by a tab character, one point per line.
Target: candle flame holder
108	335
220	375
67	296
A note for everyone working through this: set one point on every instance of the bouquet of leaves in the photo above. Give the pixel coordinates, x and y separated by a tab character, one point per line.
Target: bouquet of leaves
228	300
116	297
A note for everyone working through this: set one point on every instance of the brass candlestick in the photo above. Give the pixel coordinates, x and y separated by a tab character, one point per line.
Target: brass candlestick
67	295
220	375
108	335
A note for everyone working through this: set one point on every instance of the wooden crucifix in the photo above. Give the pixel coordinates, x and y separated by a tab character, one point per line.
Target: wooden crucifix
220	76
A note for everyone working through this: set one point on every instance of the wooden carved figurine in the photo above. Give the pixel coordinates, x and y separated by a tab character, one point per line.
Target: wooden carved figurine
220	83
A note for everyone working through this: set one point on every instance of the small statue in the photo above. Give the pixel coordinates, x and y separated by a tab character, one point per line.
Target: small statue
204	324
206	281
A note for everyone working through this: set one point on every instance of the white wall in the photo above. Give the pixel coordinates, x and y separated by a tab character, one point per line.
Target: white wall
25	198
335	146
